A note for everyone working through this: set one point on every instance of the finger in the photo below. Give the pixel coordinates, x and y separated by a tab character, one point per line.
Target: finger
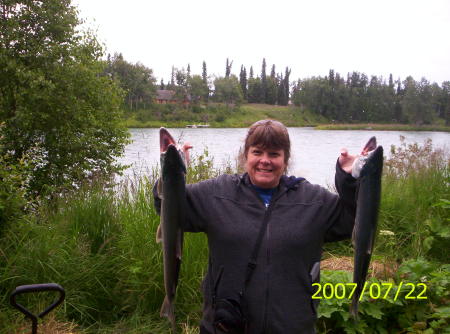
344	152
187	146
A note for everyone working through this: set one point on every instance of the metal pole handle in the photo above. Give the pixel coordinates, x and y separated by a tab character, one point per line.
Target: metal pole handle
37	288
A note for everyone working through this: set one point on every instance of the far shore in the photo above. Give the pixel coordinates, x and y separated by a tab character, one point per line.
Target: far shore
344	126
216	115
383	127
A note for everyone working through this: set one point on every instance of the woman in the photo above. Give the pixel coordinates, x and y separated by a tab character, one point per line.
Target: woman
265	286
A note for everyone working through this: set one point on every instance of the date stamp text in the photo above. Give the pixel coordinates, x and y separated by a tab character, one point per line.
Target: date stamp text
372	290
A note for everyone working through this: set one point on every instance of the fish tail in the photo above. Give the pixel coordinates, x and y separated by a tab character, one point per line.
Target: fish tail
168	311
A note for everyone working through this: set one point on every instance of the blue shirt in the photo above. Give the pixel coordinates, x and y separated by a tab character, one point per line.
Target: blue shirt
265	194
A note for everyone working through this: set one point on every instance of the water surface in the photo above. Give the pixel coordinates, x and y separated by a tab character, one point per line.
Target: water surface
313	156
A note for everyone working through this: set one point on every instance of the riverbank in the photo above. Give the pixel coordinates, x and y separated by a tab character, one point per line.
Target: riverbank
222	116
217	115
383	127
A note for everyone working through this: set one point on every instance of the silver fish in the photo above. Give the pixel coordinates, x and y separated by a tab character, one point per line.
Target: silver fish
172	192
368	169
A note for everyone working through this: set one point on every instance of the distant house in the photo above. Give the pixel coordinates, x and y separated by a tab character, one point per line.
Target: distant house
165	96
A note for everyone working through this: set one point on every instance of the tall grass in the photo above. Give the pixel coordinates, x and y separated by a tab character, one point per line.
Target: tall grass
416	181
99	244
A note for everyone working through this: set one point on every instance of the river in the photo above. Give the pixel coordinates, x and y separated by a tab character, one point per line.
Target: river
313	156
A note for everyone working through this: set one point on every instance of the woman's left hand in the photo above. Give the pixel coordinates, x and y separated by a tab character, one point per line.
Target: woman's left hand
346	160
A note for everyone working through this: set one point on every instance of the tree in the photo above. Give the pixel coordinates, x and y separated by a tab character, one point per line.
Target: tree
58	106
135	79
197	88
271	90
416	103
445	102
282	99
263	91
172	78
254	89
227	90
243	81
228	68
180	77
188	72
272	72
283	89
204	73
205	82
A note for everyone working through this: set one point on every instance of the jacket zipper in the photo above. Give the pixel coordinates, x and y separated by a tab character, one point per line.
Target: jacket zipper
267	280
267	216
268	213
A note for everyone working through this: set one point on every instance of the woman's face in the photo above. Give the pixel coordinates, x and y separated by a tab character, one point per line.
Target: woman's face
265	166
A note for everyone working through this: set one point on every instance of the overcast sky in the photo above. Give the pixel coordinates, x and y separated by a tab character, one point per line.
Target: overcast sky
376	37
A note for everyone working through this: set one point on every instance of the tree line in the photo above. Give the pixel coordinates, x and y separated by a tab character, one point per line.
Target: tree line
139	84
357	98
354	98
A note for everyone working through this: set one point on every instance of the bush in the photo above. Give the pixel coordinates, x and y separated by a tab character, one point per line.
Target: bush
14	179
387	315
12	192
414	203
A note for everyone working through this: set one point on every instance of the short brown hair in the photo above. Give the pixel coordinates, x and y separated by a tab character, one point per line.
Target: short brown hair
268	134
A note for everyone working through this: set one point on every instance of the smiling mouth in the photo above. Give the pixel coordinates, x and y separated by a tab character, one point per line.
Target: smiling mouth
264	170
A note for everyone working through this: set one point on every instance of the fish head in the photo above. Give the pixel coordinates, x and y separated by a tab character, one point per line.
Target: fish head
371	145
165	142
374	162
366	154
165	139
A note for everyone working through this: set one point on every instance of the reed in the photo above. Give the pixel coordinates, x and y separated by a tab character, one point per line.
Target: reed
99	244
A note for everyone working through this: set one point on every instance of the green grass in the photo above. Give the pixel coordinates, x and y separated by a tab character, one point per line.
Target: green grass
99	244
221	116
289	115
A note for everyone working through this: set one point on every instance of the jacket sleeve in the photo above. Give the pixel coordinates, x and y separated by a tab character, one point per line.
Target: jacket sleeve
344	219
199	204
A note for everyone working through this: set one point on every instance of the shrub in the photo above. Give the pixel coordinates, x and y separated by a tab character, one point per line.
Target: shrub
413	204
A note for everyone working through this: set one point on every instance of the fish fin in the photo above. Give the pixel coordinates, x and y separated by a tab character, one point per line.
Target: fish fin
168	311
159	189
159	234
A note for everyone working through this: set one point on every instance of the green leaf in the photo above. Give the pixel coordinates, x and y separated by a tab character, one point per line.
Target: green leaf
373	309
444	232
428	243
